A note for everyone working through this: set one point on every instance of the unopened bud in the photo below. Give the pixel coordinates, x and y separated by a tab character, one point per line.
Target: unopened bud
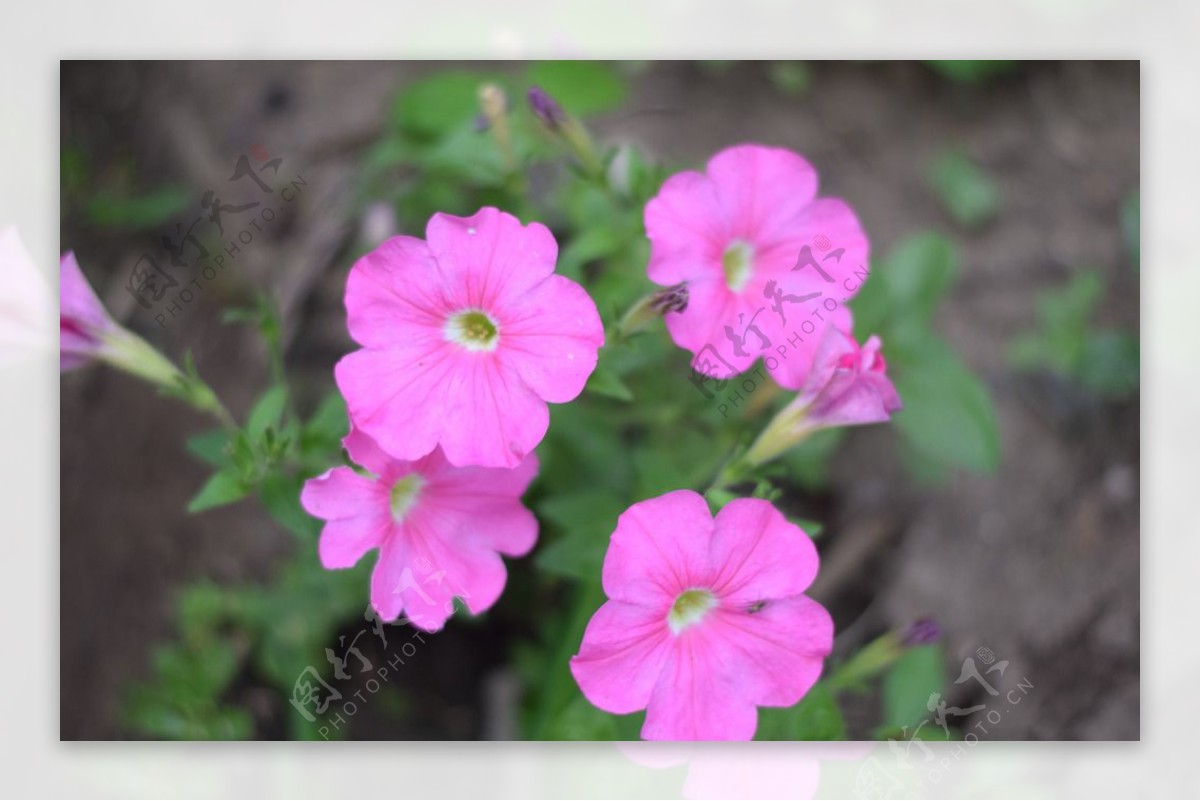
546	108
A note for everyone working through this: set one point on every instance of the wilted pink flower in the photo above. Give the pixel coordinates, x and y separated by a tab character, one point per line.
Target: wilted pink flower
84	325
705	619
466	336
439	529
848	386
766	263
24	300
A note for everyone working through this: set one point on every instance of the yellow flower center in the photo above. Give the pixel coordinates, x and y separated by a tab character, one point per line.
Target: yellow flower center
689	609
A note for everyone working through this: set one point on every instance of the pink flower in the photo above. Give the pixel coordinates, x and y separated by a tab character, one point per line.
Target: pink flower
84	325
24	300
466	337
848	386
767	264
705	619
440	529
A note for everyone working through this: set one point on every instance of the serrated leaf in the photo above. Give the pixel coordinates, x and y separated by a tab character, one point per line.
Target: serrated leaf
220	489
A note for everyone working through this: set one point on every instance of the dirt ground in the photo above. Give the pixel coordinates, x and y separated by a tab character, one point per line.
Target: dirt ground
1039	562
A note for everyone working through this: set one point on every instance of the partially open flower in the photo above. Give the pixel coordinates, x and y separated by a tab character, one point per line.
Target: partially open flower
88	333
847	386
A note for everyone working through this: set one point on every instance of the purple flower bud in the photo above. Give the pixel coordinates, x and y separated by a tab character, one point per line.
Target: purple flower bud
546	108
671	299
922	632
482	123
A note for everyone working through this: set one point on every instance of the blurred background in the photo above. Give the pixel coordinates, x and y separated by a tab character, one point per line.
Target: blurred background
1001	199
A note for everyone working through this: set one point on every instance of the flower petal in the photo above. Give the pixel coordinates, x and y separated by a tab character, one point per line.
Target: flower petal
340	494
393	395
758	555
780	649
553	340
394	293
659	549
687	230
623	651
489	260
698	696
343	542
761	189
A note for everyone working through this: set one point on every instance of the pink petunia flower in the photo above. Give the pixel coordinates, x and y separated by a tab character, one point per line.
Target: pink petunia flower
766	263
85	326
848	386
439	529
466	337
705	620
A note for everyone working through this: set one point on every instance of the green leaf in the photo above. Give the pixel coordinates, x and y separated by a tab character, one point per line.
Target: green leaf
948	416
433	107
221	488
605	382
267	412
969	195
151	210
582	88
210	447
281	496
1131	226
918	272
816	717
1111	364
971	72
790	77
915	676
586	518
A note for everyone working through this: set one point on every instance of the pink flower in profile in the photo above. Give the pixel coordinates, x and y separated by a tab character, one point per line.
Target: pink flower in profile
439	529
848	386
466	337
767	264
705	620
85	327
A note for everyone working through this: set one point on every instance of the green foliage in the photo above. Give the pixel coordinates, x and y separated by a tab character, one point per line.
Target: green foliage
790	77
583	88
816	717
971	72
1103	361
917	674
139	211
948	420
970	197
